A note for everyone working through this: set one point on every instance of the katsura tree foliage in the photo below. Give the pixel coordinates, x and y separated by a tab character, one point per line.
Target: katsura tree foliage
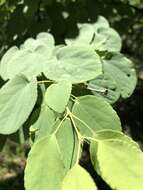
64	95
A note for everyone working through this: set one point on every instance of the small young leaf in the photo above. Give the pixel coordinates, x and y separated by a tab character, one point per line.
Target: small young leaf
17	99
45	168
96	114
78	178
57	96
118	160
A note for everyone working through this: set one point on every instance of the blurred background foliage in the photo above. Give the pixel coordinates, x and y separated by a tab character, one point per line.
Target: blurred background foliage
20	19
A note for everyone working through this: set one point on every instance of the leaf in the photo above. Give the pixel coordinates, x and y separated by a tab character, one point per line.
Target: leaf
72	63
121	70
17	99
100	36
107	39
95	115
43	39
31	59
105	87
101	22
6	57
86	32
68	143
45	168
47	38
44	125
57	96
114	153
108	134
75	63
78	178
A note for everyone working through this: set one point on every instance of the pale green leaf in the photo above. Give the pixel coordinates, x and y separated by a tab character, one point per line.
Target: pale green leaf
107	39
45	168
57	96
78	178
86	32
75	63
31	59
68	143
105	87
5	59
17	99
95	114
47	38
45	124
101	22
99	35
122	71
118	160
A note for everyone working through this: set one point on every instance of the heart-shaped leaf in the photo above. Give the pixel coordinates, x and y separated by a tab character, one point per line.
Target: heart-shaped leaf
17	99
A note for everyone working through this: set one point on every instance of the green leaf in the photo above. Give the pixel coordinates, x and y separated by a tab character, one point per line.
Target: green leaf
104	86
100	36
95	115
86	32
47	38
66	135
75	63
107	39
78	178
43	39
17	99
108	134
72	63
122	71
44	125
101	22
45	168
5	59
114	153
31	59
57	96
68	143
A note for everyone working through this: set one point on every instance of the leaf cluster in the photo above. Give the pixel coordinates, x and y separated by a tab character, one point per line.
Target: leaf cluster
63	94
